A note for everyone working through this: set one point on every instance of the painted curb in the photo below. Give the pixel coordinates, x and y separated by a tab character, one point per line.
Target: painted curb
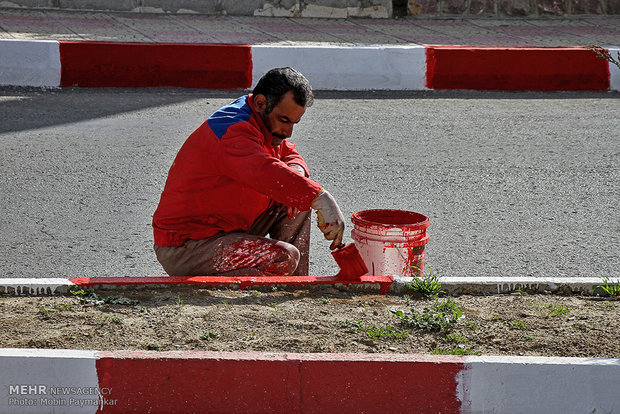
376	284
73	381
229	66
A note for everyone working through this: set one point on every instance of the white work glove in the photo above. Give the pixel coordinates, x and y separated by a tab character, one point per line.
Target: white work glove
329	218
291	212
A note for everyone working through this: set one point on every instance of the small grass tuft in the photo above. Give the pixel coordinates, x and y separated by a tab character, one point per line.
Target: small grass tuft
520	325
206	336
553	309
427	285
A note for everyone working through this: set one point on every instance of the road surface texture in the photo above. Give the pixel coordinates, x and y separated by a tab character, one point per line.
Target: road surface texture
515	184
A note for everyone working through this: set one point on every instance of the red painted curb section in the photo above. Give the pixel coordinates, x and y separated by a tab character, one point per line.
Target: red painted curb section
242	281
537	69
205	382
108	64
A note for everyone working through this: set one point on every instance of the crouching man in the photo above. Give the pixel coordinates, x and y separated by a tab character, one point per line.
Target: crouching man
237	180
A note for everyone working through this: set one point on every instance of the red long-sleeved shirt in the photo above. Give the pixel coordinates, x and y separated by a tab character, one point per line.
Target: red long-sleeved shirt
225	175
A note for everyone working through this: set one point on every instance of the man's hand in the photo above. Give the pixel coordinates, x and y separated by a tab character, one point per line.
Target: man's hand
329	218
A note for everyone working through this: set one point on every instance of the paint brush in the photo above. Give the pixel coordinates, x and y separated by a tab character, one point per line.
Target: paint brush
350	261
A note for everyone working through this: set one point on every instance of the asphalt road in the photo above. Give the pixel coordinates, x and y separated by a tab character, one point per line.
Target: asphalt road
515	184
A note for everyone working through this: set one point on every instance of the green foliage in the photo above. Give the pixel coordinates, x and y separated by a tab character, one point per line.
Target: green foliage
89	297
520	325
205	336
553	309
454	338
373	331
113	319
44	311
440	316
611	288
427	285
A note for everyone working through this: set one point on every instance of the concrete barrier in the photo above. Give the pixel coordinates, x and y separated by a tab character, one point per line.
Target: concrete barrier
29	62
72	381
221	66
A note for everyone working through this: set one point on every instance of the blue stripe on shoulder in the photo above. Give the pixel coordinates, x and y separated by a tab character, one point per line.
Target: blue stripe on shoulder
229	115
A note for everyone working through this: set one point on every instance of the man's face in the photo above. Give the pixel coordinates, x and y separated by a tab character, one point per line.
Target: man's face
282	118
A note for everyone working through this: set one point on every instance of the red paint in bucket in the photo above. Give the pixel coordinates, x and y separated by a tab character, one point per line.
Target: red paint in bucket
392	242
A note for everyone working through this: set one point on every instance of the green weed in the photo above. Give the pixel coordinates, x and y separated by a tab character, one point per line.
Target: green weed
325	301
90	297
44	311
553	309
63	307
427	285
474	326
454	338
180	302
440	316
108	318
520	325
205	336
611	288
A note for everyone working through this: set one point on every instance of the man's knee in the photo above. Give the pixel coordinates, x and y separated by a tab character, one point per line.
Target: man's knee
285	262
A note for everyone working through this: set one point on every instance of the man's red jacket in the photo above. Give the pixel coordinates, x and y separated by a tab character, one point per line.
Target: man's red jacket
225	175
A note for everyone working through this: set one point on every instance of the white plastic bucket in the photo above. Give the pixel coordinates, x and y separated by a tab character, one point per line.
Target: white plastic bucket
392	242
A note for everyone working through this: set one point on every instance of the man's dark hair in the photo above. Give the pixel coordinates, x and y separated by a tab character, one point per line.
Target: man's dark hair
278	81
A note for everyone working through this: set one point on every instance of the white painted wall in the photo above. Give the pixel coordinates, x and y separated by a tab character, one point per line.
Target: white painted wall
348	68
29	62
539	385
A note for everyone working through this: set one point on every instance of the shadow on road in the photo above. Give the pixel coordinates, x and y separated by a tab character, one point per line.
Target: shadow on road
32	108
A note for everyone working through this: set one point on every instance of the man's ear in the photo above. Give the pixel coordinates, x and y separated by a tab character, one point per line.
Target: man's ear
260	102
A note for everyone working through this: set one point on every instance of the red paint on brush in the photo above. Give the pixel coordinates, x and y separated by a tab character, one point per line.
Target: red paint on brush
110	64
500	68
242	281
350	261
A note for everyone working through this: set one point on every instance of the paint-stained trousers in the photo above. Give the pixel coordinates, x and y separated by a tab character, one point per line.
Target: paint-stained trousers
250	253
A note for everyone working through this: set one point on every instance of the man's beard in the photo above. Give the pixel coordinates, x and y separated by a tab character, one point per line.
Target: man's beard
265	119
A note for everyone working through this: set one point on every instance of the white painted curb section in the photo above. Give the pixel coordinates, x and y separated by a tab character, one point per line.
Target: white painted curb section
494	384
31	286
34	375
496	285
347	68
29	62
614	71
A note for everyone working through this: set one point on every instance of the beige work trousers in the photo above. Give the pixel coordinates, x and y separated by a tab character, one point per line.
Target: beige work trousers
249	253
